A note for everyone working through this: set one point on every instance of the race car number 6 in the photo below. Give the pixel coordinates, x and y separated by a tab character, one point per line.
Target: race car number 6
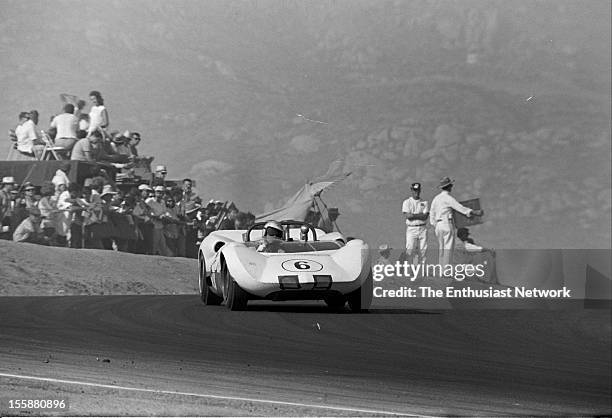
301	265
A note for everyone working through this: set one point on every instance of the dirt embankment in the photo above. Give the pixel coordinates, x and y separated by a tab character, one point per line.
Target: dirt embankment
34	270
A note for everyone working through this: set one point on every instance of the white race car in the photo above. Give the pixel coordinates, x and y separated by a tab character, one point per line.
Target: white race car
300	263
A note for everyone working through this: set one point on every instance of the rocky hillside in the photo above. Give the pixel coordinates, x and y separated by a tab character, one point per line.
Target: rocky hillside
254	98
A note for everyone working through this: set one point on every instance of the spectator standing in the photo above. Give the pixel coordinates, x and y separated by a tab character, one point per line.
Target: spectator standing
106	230
6	206
142	216
48	209
158	214
29	229
191	231
66	125
64	216
441	217
98	115
172	226
8	184
416	212
92	218
76	218
186	232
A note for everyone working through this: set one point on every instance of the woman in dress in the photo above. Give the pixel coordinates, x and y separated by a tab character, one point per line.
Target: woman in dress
98	116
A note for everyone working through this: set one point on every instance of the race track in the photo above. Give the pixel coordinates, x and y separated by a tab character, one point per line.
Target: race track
170	355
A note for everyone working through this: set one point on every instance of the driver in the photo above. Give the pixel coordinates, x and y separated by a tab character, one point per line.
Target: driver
272	237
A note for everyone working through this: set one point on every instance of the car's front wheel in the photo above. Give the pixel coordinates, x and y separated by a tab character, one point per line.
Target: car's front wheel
206	294
361	299
236	298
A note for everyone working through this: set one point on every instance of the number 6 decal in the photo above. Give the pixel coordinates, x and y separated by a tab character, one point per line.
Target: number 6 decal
296	265
302	265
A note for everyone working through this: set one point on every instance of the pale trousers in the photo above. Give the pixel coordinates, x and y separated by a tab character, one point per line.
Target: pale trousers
445	232
159	243
416	244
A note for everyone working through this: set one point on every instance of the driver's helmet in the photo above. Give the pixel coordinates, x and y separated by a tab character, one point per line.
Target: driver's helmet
273	229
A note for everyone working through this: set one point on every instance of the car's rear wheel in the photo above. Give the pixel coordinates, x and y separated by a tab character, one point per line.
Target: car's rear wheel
236	298
361	299
335	302
207	296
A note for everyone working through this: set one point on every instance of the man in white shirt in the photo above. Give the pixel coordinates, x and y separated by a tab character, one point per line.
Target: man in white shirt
416	212
441	217
66	125
159	216
28	141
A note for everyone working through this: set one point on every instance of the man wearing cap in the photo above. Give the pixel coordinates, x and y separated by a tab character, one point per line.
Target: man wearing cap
416	212
441	217
159	216
29	229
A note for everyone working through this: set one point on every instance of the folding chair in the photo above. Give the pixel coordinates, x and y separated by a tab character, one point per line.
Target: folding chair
52	151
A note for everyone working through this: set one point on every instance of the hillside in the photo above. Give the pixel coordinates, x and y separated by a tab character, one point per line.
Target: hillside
35	270
253	98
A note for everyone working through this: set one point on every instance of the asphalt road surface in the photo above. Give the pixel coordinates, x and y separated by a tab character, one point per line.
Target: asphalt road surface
170	355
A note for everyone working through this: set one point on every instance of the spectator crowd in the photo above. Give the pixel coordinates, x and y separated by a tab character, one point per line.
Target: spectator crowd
76	135
158	220
150	218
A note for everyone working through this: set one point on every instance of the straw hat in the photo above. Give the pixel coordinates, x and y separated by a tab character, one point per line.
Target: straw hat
107	189
445	181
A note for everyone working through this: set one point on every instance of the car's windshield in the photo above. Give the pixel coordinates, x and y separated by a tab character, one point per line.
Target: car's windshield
298	246
309	246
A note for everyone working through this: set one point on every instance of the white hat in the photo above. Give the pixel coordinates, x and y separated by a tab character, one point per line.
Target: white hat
57	180
159	188
144	187
8	180
445	181
107	189
160	168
